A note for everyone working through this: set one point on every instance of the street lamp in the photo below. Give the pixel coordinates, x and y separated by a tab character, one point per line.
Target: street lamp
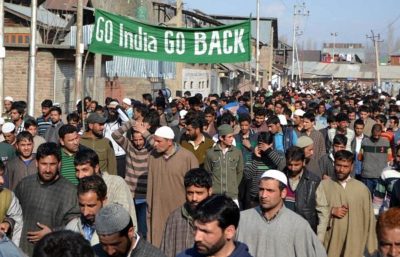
334	35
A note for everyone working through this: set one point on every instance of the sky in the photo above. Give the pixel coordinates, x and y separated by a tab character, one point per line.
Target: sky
352	20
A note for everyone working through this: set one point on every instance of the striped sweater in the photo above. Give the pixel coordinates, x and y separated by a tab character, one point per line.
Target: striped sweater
136	160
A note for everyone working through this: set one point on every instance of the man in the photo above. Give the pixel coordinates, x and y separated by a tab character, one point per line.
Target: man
138	147
209	126
326	163
118	237
70	145
87	164
278	231
7	151
394	127
8	130
317	138
225	163
92	196
63	243
364	113
284	137
375	153
195	141
356	145
259	124
215	224
298	121
168	164
305	196
342	128
17	117
10	213
8	101
44	121
51	134
388	233
307	145
116	116
23	164
127	107
246	139
49	198
32	127
332	123
178	232
353	221
93	139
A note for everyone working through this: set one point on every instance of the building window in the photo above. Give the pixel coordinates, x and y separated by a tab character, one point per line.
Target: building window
17	38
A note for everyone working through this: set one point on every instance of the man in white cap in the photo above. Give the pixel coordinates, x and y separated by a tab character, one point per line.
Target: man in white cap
8	101
8	130
168	164
298	121
127	106
278	230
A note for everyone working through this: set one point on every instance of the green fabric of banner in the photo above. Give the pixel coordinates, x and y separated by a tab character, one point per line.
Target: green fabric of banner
122	36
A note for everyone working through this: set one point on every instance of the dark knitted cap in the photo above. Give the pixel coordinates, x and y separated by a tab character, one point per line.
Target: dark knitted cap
111	219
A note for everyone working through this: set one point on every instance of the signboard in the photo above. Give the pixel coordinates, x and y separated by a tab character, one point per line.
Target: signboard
121	36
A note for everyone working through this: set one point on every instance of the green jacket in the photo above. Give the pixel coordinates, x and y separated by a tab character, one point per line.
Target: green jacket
226	170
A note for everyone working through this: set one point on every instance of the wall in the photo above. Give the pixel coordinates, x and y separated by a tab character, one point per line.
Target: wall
16	75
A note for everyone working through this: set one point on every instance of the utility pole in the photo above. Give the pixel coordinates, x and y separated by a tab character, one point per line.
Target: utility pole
376	40
299	10
271	54
179	65
334	35
2	55
32	60
258	46
79	48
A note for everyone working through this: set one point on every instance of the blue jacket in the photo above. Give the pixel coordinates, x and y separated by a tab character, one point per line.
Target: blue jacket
241	250
8	248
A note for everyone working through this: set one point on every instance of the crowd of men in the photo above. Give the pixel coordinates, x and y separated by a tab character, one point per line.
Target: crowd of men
302	171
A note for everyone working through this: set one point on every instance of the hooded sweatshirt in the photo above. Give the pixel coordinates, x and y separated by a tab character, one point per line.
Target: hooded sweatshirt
241	250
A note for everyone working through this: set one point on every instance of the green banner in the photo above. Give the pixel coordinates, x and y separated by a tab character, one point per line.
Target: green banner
122	36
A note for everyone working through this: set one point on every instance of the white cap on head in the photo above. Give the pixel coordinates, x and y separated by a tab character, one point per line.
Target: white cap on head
127	101
182	114
299	112
275	174
8	127
165	132
398	102
9	98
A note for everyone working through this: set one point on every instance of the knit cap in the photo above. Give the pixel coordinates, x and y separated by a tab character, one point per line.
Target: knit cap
224	130
304	141
111	219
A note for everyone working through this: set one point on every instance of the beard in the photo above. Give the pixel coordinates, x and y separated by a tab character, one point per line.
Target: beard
212	249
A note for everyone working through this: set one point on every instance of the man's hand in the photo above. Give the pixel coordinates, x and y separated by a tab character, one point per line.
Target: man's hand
257	152
340	212
5	226
140	127
34	236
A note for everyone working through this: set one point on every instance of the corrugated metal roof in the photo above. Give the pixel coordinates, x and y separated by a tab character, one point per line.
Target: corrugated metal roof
360	71
44	16
140	68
